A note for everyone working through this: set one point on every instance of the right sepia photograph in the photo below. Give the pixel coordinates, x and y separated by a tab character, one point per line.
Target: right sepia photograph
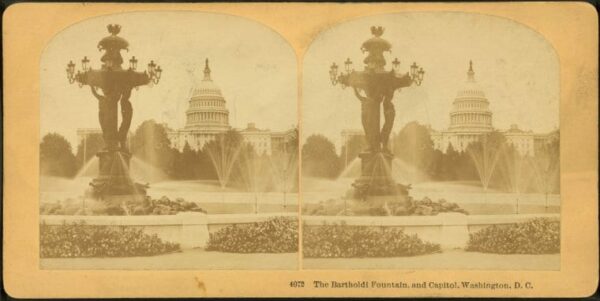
430	140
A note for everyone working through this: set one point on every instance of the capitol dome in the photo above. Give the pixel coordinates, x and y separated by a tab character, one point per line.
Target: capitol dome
207	106
470	109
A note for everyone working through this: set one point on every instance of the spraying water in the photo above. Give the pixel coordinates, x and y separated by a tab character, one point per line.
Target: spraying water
138	169
223	155
516	173
256	173
285	167
485	156
401	171
545	173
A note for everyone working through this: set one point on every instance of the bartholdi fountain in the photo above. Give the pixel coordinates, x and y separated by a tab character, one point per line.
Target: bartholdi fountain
375	87
114	183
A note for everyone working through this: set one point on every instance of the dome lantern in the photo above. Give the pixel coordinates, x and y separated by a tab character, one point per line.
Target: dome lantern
471	73
206	71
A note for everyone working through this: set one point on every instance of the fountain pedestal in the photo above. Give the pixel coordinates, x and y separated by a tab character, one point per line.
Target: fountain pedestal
114	183
376	176
376	186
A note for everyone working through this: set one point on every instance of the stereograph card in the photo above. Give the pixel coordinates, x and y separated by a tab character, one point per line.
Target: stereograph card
300	150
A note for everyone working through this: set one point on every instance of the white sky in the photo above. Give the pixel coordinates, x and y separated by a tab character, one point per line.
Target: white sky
253	65
517	69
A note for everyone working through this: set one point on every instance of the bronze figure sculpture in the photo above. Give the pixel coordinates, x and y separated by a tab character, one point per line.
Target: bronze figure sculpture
115	84
375	87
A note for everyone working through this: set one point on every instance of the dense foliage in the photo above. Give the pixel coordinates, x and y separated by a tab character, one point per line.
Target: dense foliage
319	158
537	236
413	145
162	206
56	156
80	240
150	144
344	241
278	235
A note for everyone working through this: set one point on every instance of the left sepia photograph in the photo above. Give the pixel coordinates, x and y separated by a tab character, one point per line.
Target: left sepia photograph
169	140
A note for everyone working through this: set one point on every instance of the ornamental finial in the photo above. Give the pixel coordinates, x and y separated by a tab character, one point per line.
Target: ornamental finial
377	30
471	73
206	70
114	29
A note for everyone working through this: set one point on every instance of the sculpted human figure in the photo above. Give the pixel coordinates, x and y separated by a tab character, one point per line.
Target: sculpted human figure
367	104
126	115
377	138
108	117
389	114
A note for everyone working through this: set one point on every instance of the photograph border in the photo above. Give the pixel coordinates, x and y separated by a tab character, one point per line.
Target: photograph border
571	27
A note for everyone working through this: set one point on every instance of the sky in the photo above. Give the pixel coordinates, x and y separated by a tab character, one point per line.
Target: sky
257	70
254	66
515	66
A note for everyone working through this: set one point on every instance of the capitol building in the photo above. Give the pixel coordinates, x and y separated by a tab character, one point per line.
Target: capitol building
470	117
207	117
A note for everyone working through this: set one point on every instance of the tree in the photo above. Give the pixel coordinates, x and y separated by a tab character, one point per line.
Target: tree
89	146
319	158
449	164
151	144
205	168
56	156
185	163
413	145
439	171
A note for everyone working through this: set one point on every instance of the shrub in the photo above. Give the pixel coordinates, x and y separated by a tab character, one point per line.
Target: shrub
344	241
537	236
81	240
278	235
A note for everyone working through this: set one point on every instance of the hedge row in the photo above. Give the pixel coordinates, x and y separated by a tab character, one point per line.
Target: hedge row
537	236
340	240
81	240
278	235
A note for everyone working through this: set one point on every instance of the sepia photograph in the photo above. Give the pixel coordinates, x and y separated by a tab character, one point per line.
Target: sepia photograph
190	150
164	147
438	146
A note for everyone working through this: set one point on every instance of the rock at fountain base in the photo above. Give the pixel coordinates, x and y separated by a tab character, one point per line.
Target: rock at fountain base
379	205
